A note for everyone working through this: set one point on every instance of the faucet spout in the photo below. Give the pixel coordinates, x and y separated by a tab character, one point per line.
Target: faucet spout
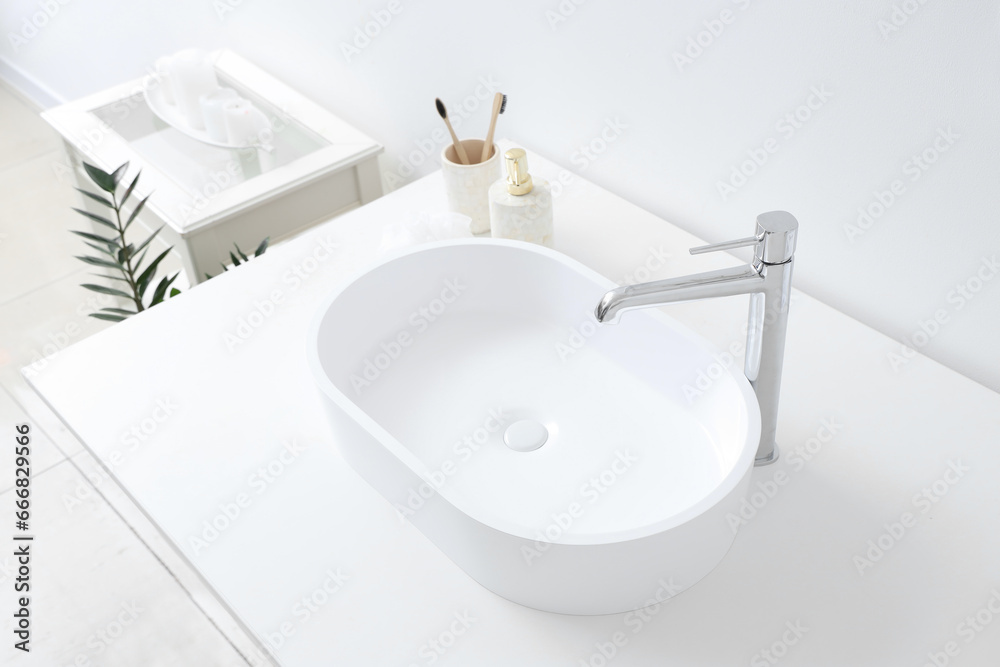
769	282
724	282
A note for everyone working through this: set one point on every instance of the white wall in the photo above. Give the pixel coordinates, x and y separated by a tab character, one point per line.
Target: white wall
682	129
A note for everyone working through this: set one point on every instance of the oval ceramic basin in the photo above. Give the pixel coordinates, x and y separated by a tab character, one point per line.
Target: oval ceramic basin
444	366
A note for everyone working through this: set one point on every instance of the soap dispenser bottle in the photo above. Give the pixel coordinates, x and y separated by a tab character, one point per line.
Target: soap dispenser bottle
521	209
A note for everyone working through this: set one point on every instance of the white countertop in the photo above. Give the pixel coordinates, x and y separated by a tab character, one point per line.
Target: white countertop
791	583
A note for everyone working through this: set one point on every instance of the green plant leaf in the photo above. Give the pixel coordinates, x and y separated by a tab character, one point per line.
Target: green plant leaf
101	289
146	242
97	198
208	276
98	248
95	237
130	188
98	219
119	311
101	275
161	289
135	211
138	262
174	292
118	174
125	253
240	253
146	276
97	261
236	260
108	317
262	248
100	177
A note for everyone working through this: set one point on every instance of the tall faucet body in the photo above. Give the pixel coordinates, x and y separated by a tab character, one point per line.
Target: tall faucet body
768	281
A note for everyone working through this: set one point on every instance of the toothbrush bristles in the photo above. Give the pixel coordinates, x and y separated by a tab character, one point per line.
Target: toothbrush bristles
503	104
440	107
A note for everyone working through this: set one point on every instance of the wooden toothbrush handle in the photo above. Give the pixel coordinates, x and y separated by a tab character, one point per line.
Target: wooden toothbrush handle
497	99
489	141
459	148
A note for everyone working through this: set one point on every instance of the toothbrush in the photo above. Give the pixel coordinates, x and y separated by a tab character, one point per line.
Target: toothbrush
454	139
499	105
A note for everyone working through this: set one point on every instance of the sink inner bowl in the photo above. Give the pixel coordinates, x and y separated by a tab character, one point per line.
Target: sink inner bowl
440	351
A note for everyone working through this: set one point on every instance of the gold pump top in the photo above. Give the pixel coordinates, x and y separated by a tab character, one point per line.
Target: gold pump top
518	178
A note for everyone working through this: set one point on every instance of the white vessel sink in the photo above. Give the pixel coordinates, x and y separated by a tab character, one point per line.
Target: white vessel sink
429	360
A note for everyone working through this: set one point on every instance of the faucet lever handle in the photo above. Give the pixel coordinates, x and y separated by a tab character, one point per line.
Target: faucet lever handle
726	245
774	241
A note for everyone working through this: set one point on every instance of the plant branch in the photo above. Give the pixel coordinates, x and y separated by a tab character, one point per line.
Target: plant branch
128	271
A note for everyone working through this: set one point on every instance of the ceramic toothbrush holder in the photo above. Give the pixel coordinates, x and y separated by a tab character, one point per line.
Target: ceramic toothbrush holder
467	186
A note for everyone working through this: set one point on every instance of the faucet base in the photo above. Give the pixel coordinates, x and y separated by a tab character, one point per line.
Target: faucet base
768	459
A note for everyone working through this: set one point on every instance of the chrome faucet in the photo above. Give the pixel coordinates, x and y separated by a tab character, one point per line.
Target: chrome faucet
768	281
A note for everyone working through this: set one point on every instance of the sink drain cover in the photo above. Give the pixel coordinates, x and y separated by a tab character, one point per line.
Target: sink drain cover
525	436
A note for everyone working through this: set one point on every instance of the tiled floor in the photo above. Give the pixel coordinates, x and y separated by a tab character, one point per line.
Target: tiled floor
107	590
